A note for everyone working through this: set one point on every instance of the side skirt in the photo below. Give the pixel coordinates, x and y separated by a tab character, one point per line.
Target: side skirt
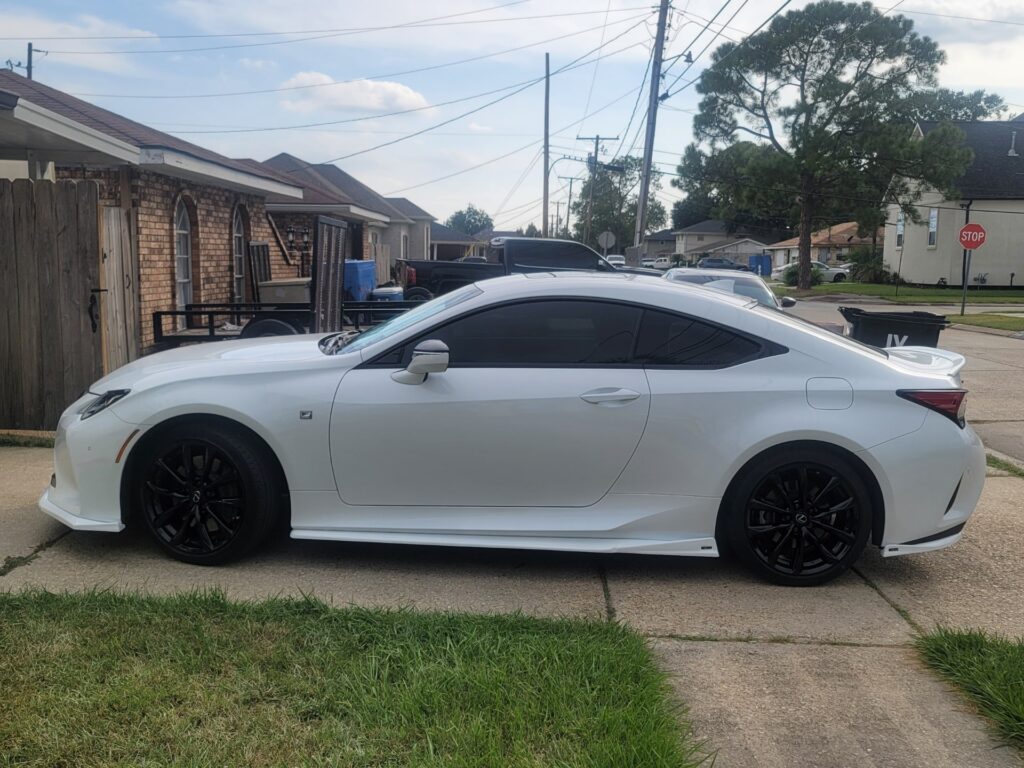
699	547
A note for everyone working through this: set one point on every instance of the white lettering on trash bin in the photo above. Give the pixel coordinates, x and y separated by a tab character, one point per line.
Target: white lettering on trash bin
895	341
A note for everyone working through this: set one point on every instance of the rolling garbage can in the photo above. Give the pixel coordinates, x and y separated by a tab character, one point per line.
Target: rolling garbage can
894	329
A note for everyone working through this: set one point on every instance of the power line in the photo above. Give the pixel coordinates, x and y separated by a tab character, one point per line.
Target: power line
709	44
311	86
967	18
520	86
523	148
593	77
762	25
519	181
636	104
420	24
470	112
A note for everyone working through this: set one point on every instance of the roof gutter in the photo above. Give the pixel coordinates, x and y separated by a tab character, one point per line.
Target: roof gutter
51	122
174	163
350	211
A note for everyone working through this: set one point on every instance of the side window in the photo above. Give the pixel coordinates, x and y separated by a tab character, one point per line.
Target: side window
547	333
673	340
543	254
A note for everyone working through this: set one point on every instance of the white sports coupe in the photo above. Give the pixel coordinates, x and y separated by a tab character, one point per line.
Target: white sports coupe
582	412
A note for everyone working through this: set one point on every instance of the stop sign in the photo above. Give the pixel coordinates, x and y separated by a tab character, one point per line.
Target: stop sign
972	236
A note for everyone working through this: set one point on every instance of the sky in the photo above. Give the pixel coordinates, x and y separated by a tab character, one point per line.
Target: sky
329	75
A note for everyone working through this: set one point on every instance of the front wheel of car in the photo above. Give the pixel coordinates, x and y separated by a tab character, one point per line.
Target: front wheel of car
799	517
207	494
839	278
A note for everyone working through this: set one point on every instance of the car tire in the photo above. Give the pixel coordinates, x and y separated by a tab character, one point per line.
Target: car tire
267	326
207	494
839	278
417	294
797	516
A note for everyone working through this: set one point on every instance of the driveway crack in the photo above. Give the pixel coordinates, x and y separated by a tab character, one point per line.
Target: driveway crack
609	607
16	561
903	612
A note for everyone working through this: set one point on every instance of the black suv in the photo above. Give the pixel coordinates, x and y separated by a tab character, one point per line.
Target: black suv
710	262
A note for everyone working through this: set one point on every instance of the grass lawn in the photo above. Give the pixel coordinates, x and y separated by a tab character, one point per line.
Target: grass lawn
990	670
9	440
102	679
907	294
990	321
1001	464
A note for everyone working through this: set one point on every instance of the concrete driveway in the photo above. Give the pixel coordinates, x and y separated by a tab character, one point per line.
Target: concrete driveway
773	676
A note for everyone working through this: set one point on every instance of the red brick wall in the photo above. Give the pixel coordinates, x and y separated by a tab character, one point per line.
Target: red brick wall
155	196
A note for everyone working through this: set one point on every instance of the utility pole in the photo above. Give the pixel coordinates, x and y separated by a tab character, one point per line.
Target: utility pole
28	65
547	146
652	120
568	205
558	216
593	177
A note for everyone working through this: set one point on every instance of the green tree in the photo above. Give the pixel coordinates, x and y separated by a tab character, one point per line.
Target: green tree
470	220
828	94
615	187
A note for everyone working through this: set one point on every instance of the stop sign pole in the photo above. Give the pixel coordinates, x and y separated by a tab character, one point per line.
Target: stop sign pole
972	236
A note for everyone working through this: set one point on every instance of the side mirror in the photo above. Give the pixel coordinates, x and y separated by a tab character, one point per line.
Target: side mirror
430	356
787	302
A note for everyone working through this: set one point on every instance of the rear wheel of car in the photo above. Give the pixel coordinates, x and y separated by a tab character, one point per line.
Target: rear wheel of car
417	294
268	326
799	517
206	493
839	278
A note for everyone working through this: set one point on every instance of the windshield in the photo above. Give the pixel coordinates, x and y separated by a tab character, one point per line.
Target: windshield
400	322
752	288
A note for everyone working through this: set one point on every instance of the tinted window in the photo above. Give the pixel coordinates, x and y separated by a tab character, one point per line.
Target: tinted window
667	339
542	333
544	254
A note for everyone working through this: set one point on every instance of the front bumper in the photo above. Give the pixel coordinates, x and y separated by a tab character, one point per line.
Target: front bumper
85	493
47	505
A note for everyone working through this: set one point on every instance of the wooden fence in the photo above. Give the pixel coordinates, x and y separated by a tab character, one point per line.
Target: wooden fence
50	339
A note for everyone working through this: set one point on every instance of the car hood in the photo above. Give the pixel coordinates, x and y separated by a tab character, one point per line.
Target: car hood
290	353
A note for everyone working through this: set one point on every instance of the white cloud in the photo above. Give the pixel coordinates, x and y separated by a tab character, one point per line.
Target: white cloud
30	25
477	127
359	95
995	66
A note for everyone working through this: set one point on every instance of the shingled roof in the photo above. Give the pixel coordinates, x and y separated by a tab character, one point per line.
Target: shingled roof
439	233
113	124
409	209
997	170
325	177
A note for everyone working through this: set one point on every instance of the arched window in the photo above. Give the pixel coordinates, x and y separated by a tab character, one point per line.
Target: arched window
182	257
238	254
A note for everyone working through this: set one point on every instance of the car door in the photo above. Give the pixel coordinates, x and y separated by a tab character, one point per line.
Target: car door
540	406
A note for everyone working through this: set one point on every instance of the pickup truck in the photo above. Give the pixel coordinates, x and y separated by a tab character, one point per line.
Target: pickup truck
423	280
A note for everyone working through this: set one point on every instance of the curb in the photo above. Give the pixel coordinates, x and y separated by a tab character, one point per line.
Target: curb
989	331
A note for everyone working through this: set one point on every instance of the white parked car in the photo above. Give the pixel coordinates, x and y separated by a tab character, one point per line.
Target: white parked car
649	263
732	281
828	274
663	262
579	412
616	259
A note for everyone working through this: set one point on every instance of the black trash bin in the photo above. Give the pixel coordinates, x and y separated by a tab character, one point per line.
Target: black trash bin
894	329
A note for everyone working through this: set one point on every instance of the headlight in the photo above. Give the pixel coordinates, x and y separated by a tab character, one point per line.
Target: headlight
103	402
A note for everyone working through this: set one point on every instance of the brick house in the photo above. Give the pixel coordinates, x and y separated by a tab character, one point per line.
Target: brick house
382	229
191	212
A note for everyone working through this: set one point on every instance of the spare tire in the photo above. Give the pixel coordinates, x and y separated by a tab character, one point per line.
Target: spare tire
267	326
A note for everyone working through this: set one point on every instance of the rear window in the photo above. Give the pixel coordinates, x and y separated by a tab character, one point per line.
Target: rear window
677	341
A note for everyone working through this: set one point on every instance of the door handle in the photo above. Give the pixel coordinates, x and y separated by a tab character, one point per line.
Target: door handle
609	395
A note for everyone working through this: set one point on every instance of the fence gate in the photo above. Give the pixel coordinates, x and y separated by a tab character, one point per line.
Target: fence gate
328	273
119	310
50	339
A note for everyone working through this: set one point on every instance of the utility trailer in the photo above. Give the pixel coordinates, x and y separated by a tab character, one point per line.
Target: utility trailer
325	312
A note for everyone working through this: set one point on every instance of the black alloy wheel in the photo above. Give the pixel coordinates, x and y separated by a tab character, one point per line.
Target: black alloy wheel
803	521
207	495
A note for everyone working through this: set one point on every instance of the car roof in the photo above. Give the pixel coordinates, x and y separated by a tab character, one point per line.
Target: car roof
733	274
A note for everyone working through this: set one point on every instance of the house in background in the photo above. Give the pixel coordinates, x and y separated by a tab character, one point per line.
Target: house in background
185	213
830	245
734	249
381	229
993	187
657	243
448	244
693	238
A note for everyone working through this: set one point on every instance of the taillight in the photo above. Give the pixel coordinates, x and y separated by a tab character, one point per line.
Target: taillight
950	403
410	275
